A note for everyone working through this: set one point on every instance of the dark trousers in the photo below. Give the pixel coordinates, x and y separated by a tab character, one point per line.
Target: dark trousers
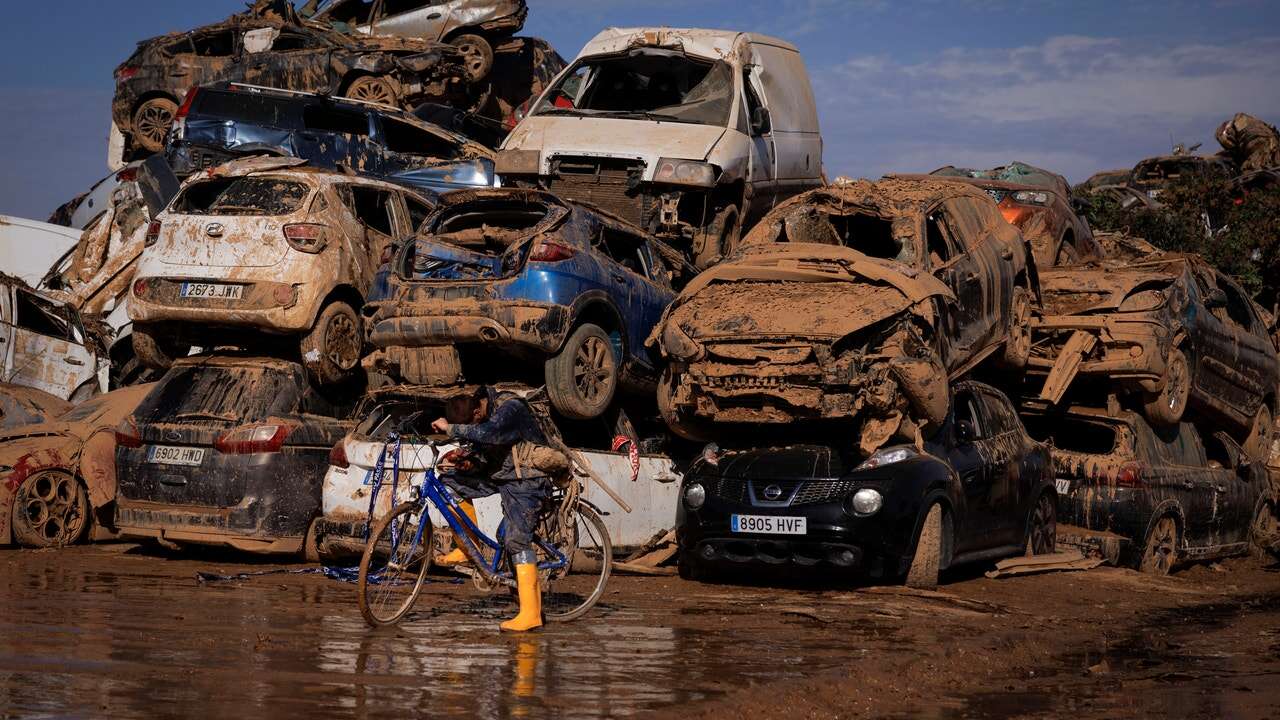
522	502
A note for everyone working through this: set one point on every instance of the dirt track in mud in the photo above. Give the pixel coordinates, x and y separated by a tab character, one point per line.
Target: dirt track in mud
117	631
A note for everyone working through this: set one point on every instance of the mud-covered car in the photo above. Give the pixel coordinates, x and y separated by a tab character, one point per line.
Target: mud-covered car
1171	332
1175	496
27	406
978	488
1038	203
228	451
520	273
218	124
58	478
1151	176
264	247
475	27
45	345
1104	179
275	52
854	303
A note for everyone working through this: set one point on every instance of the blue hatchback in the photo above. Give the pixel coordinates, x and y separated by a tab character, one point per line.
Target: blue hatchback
536	278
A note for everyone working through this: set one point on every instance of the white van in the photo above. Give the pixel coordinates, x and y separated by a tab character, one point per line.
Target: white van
691	134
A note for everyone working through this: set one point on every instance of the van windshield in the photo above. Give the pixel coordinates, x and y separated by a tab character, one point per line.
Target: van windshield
645	84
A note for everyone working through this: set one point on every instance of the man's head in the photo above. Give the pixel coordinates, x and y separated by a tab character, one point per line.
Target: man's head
468	408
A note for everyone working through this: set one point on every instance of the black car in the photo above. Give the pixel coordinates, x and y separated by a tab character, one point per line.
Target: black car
1175	495
227	121
228	451
979	489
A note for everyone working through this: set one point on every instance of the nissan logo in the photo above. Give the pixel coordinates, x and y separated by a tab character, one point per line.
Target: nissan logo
214	230
773	492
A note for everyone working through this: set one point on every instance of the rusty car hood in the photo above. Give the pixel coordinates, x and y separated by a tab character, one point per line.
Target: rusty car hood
1077	291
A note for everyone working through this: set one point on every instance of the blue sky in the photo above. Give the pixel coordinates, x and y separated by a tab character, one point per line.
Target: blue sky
1073	85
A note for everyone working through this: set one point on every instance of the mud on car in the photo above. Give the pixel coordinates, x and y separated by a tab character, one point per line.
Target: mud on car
855	303
522	274
262	248
978	488
1174	335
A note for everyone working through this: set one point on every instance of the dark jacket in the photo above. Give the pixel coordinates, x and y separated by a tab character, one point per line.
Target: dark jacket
510	421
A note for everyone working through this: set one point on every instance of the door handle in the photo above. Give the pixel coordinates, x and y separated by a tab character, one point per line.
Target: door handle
72	361
435	16
970	276
619	278
179	73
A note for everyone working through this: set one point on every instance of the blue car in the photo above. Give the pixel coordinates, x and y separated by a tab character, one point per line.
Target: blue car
514	277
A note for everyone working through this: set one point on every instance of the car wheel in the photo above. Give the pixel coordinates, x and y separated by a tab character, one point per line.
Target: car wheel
1264	534
332	349
1258	444
1017	348
50	509
1161	553
152	121
1042	534
720	238
1167	407
583	377
925	564
477	55
373	89
687	428
690	567
152	351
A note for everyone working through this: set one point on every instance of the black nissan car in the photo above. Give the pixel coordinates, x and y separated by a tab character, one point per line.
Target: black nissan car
228	451
979	489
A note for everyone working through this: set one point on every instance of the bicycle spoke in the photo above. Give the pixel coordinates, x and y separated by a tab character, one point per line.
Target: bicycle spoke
394	566
568	594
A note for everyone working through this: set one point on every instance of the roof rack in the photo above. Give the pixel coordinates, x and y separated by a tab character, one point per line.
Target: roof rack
299	93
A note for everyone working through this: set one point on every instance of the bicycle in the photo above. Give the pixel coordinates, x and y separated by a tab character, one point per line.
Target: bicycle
399	553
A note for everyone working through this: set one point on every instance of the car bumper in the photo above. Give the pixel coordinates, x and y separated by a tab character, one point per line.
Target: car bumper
269	306
1132	351
536	325
182	524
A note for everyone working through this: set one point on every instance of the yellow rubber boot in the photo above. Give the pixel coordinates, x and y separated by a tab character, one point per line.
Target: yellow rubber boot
530	616
457	556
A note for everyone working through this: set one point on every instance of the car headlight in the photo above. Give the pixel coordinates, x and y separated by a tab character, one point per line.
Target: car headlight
888	457
678	344
1144	301
695	496
685	172
518	162
1031	197
867	501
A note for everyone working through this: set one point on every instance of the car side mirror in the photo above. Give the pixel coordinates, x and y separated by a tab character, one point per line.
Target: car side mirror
761	121
1216	299
964	432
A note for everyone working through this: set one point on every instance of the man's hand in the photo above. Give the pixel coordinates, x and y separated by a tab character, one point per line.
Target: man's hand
441	426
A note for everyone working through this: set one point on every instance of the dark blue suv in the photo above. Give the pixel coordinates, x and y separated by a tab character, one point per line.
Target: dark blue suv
533	278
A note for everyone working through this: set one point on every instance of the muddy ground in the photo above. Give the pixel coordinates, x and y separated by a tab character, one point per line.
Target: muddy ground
122	631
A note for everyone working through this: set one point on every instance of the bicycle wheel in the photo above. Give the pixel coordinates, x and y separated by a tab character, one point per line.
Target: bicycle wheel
394	565
570	593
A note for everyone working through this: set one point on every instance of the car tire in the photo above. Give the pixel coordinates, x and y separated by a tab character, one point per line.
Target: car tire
152	351
1257	444
1264	534
1167	407
477	55
690	567
1017	348
582	378
333	347
687	428
720	238
1042	529
927	560
151	123
373	89
1160	553
311	544
51	509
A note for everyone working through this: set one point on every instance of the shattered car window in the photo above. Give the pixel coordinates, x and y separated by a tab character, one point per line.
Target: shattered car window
646	84
866	232
242	196
1073	435
42	317
228	394
401	137
246	107
408	415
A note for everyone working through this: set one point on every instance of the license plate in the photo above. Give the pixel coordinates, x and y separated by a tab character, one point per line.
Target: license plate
1064	486
167	455
770	525
212	291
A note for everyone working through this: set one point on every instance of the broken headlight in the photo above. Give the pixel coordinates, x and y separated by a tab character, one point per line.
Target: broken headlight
1031	197
888	456
685	172
679	345
1144	301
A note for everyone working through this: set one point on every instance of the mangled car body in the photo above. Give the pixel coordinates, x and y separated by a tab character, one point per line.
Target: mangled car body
44	344
27	406
268	51
58	478
1038	203
1171	332
691	135
856	302
529	276
266	246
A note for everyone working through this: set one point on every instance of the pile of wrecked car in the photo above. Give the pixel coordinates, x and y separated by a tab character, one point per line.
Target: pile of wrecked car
324	222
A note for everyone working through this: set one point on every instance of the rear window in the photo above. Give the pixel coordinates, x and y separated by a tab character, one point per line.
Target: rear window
242	196
246	107
408	415
1073	435
235	395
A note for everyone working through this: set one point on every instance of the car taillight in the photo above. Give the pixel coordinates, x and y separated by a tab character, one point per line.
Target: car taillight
253	439
140	288
126	73
127	434
338	455
127	175
1130	475
551	252
153	233
306	237
187	102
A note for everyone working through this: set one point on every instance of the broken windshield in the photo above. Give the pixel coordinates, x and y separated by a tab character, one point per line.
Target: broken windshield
645	84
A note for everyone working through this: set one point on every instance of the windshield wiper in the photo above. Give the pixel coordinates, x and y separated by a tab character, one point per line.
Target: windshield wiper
204	416
646	114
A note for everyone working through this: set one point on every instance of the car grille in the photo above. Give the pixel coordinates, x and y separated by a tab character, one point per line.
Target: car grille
605	183
794	492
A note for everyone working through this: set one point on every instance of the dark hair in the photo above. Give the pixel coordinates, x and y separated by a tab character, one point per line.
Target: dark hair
461	409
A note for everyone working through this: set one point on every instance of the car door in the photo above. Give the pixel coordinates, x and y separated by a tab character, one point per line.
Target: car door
6	330
375	212
1005	451
333	136
952	264
1254	371
967	455
1176	469
763	171
627	282
209	57
990	258
426	19
291	57
48	347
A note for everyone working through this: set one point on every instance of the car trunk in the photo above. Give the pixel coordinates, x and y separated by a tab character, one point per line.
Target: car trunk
231	222
478	240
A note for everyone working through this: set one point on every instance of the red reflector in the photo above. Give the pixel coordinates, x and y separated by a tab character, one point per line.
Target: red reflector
126	73
153	233
1130	475
187	102
127	175
338	455
127	434
253	439
140	288
551	252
